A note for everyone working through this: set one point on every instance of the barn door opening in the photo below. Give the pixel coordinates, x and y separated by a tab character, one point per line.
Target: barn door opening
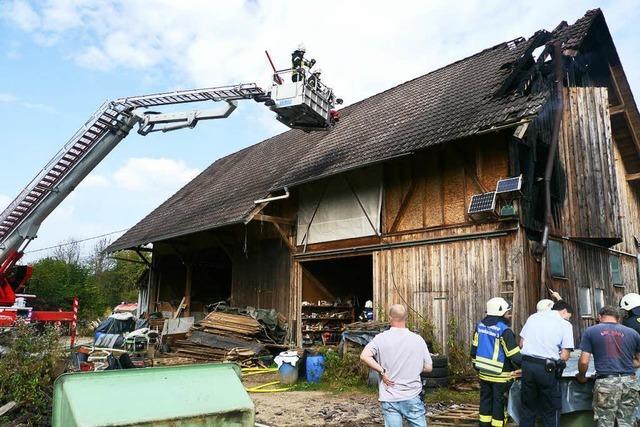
335	292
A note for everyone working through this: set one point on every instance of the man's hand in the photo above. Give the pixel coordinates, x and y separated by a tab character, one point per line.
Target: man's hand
517	373
555	295
386	380
581	378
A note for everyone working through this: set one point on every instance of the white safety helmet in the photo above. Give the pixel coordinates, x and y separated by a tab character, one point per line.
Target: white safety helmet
317	70
630	301
302	48
368	304
497	306
544	305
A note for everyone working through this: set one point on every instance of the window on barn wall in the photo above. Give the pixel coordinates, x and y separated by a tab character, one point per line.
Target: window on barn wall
556	258
584	301
598	298
614	267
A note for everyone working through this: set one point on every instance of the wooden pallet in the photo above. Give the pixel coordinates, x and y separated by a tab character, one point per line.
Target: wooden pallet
467	416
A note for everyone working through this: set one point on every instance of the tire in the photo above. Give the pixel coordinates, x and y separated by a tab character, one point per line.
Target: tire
440	361
435	382
437	372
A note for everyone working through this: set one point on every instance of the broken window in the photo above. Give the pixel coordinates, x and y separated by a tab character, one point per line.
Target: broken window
598	297
584	300
556	258
614	267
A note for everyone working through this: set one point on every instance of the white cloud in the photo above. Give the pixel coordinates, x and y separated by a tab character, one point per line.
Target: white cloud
21	14
7	97
161	176
95	181
363	47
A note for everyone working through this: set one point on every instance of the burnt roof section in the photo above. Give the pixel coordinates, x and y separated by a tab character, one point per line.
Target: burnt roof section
447	104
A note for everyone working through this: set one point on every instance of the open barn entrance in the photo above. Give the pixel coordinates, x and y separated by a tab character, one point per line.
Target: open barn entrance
334	293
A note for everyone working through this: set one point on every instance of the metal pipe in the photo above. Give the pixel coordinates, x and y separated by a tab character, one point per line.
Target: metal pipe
555	137
271	199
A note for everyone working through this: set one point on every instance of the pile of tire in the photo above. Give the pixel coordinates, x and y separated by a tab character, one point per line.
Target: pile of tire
438	377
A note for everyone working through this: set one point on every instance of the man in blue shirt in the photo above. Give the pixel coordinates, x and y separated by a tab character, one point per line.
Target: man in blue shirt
616	354
547	341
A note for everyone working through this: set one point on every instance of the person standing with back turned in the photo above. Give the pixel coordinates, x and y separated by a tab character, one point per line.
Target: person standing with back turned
616	352
399	356
547	341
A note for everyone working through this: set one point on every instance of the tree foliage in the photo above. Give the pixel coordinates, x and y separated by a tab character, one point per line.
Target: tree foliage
99	281
27	371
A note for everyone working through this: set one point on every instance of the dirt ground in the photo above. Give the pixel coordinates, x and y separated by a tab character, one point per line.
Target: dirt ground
313	408
316	408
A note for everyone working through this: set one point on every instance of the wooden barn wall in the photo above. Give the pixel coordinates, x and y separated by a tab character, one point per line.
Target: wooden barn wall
453	280
260	278
588	266
591	207
434	188
629	205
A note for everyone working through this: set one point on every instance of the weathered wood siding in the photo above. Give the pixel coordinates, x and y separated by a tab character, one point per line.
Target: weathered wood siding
591	208
260	278
453	280
588	266
629	205
434	188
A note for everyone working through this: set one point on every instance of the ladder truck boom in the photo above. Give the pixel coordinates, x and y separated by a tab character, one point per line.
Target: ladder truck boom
304	103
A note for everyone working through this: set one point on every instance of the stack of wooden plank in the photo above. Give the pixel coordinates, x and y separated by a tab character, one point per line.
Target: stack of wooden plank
222	337
229	324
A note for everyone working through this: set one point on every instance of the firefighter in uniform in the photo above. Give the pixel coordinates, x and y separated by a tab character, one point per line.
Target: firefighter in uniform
298	62
496	356
630	303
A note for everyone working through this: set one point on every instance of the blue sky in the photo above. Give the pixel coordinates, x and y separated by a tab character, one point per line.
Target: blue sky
61	59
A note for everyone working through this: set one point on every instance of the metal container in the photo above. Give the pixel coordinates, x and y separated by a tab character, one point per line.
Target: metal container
190	395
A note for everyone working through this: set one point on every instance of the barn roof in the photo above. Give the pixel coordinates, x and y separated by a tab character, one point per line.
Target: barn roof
450	103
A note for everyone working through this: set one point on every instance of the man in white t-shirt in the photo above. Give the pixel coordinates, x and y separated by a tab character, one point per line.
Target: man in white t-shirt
399	356
547	341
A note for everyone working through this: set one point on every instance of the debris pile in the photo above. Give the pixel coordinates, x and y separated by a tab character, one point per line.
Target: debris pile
227	337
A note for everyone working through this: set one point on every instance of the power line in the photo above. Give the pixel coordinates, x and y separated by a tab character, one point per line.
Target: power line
76	241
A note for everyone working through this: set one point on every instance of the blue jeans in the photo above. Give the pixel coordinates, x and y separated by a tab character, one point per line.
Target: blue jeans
411	410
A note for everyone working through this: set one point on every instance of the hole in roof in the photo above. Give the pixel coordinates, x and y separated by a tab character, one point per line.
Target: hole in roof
537	52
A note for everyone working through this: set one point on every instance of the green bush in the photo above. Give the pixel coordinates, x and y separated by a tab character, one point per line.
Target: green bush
27	371
460	365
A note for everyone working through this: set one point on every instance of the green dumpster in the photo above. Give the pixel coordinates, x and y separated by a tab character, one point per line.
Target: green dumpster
190	395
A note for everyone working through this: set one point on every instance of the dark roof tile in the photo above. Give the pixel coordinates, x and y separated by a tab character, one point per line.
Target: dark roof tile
447	104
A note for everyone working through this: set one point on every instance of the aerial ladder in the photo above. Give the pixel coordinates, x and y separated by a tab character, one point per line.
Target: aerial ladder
306	104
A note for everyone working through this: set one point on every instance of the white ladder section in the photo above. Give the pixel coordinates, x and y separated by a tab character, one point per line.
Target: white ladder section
108	118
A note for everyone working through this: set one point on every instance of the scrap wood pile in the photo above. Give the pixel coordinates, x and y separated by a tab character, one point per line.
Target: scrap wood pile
226	337
357	335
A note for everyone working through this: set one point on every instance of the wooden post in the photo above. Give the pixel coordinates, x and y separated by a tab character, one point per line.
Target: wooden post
187	289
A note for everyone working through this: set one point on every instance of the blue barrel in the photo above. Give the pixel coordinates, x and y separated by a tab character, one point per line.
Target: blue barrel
288	373
315	368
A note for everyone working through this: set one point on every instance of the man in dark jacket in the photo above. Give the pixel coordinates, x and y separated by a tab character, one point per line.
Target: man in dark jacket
496	356
630	303
298	62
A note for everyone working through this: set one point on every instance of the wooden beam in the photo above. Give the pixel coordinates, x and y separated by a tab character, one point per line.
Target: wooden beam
633	177
404	204
284	236
616	109
274	219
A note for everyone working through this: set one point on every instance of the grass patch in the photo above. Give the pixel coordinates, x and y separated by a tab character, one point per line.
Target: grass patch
445	395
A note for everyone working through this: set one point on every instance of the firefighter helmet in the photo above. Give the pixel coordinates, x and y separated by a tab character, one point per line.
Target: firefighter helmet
630	301
302	48
497	306
544	305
